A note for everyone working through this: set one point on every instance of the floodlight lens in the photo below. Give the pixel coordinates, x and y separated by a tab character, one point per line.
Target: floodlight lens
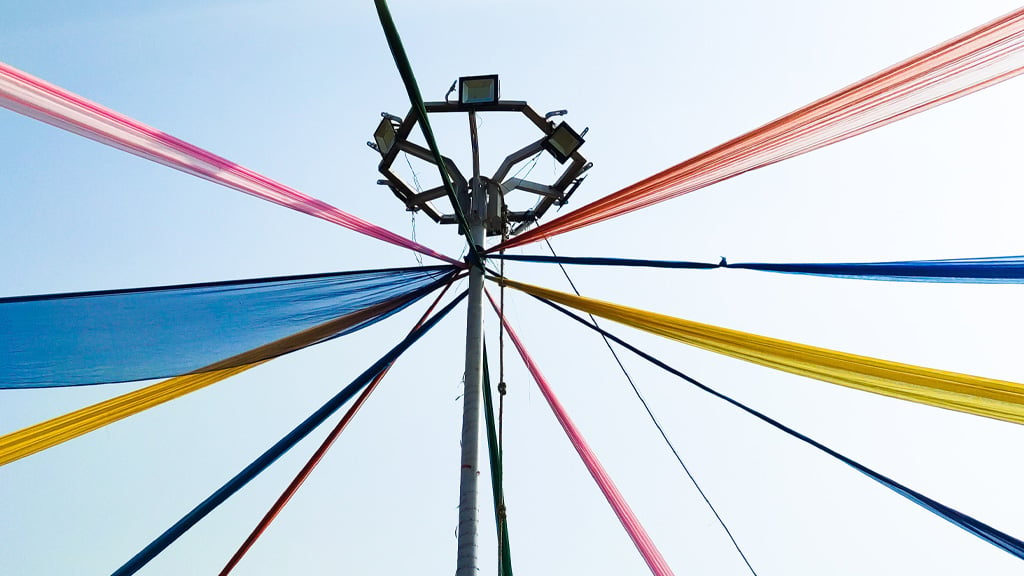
384	136
479	90
564	141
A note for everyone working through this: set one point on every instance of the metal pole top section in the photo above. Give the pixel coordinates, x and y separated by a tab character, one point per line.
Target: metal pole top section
469	471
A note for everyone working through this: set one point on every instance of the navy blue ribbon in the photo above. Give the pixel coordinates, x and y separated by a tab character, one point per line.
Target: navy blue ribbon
993	270
978	528
278	449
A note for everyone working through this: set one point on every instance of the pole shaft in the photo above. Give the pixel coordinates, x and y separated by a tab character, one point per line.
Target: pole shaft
470	470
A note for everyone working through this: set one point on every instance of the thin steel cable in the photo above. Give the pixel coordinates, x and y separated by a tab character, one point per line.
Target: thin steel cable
502	385
530	164
416	183
502	390
653	418
419	259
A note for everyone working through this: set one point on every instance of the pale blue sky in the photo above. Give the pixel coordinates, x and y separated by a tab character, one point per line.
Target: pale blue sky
294	89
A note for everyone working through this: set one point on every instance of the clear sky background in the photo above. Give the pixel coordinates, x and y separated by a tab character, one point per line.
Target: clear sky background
294	89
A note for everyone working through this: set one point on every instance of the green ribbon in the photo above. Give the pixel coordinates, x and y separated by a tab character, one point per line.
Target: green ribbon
409	79
494	451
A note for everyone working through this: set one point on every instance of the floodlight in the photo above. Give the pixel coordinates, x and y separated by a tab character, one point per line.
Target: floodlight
478	89
563	142
384	136
485	195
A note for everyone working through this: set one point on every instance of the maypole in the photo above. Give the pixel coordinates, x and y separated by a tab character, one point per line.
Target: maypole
480	210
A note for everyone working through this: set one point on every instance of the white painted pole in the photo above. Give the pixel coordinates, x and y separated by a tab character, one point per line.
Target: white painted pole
470	471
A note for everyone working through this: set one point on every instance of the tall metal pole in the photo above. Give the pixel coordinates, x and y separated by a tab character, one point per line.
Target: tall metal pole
470	472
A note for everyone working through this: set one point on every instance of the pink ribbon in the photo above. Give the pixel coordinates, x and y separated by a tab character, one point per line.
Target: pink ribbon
48	103
629	520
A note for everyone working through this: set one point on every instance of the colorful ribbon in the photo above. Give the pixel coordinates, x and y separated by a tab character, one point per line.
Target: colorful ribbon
412	88
651	555
314	460
146	333
961	392
36	98
494	454
995	270
992	270
978	59
39	437
277	450
972	525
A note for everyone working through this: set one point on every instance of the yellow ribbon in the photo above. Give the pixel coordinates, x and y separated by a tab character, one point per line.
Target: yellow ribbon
997	399
39	437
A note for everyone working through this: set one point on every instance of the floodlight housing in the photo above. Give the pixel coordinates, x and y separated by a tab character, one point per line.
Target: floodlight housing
563	142
384	136
477	90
